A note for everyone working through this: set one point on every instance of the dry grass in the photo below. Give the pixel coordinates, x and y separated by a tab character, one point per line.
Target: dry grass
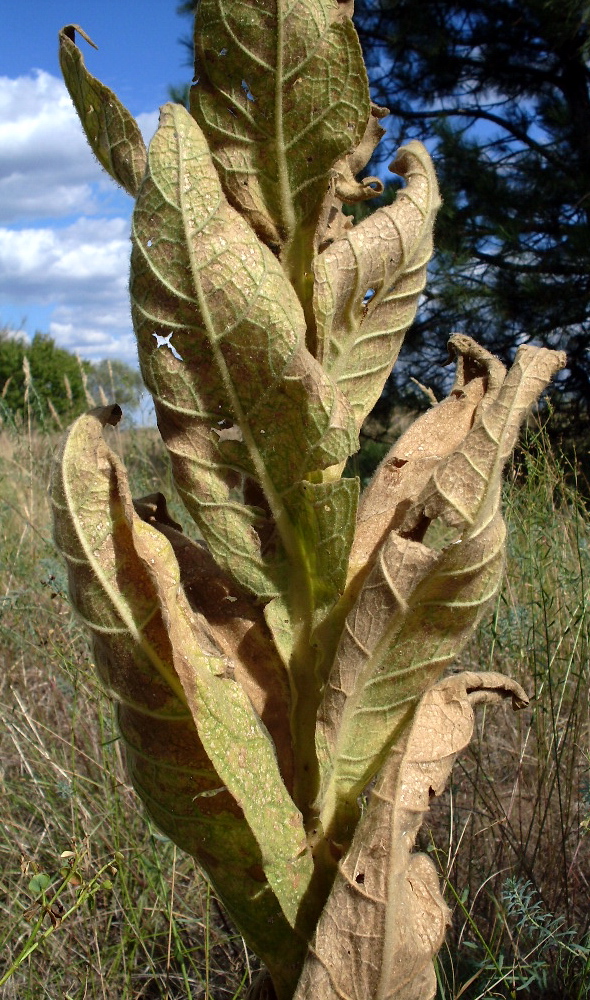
148	926
519	803
141	921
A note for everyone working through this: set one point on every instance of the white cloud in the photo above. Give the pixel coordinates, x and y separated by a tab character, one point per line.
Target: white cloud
46	167
148	123
75	273
81	272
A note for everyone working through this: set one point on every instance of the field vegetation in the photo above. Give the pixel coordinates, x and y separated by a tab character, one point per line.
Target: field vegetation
95	903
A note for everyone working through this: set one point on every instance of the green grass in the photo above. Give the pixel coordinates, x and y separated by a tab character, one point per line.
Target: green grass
125	915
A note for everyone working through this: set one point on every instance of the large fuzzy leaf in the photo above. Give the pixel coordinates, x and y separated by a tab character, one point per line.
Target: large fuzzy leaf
281	95
248	415
233	625
368	284
247	400
113	133
385	918
154	648
184	797
417	606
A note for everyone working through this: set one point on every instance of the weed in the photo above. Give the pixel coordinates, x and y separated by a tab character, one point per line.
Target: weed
514	851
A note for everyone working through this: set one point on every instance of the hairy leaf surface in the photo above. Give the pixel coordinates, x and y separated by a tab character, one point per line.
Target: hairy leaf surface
369	281
401	477
125	583
231	624
247	399
113	133
281	95
385	918
417	606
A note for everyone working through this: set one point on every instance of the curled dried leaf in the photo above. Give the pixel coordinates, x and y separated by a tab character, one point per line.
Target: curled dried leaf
409	464
344	186
418	604
369	281
385	918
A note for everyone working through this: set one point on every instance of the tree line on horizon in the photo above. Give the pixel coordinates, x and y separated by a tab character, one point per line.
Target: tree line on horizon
54	384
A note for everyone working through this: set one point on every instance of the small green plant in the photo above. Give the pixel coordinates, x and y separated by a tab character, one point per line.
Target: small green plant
48	910
546	957
287	660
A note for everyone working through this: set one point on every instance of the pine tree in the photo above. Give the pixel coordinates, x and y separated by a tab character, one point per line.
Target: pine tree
500	92
504	86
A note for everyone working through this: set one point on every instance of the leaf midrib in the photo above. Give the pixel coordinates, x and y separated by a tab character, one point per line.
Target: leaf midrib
121	607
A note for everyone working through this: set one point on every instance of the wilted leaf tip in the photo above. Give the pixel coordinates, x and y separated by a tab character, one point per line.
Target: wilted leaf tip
70	32
112	132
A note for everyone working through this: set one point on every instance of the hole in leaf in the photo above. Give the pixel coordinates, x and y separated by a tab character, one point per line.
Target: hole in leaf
247	91
417	531
222	52
166	342
233	433
149	243
360	878
438	535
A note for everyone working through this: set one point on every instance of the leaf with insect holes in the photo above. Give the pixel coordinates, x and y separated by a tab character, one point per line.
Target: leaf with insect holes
417	606
368	284
113	133
162	660
200	273
281	94
385	918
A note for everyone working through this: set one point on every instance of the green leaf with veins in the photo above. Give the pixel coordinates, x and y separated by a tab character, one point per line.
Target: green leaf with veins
243	407
163	662
281	95
247	400
111	130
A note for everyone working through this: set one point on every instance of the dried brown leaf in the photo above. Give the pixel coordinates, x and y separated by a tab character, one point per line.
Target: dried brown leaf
368	284
418	605
385	918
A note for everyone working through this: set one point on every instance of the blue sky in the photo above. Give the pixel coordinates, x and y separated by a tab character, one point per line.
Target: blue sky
64	225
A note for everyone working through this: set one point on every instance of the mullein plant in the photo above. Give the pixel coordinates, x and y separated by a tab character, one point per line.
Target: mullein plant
278	672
